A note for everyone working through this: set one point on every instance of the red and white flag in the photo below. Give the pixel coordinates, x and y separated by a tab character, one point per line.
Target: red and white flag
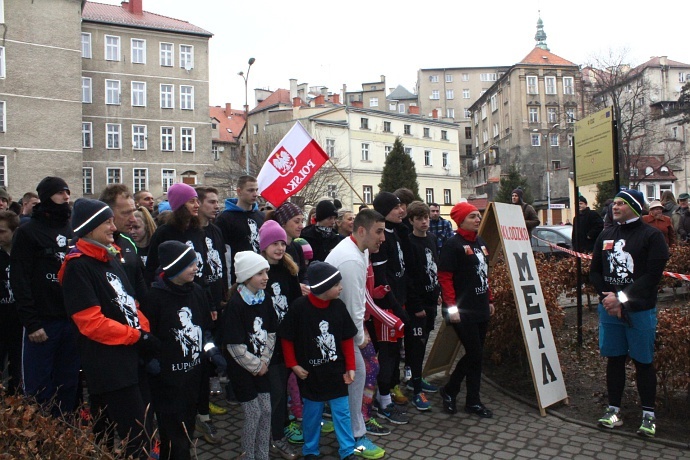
290	165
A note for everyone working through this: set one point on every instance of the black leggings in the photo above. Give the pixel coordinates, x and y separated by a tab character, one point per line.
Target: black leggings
389	365
469	367
176	430
416	335
615	381
122	410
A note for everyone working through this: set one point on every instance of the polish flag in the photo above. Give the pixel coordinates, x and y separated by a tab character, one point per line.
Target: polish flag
289	167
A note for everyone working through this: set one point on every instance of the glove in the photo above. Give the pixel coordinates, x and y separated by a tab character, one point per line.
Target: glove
148	343
153	367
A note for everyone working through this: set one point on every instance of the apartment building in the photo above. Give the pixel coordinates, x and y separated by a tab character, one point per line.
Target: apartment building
40	104
145	94
227	125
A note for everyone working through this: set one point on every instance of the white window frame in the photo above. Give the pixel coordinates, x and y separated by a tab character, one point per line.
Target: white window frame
553	139
215	152
433	78
165	136
86	90
533	114
3	170
408	151
87	185
367	193
167	56
447	196
113	137
112	50
401	108
496	130
139	137
450	112
550	85
427	158
493	103
392	106
532	84
450	94
386	150
435	95
110	178
140	183
570	115
168	177
552	115
365	152
536	139
167	96
568	85
466	93
86	135
139	94
484	111
141	50
3	116
444	135
113	88
570	140
468	113
330	147
186	57
444	159
449	78
2	62
373	102
86	51
187	139
465	77
429	195
186	98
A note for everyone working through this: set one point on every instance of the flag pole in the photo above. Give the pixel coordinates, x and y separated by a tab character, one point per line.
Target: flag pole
345	179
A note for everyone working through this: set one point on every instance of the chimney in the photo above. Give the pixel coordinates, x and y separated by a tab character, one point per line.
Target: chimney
335	98
383	79
434	114
296	101
413	110
293	88
345	93
133	6
228	109
319	100
357	104
324	90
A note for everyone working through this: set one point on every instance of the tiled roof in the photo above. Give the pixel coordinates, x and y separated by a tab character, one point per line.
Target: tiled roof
656	163
278	97
539	56
479	203
119	15
655	61
229	124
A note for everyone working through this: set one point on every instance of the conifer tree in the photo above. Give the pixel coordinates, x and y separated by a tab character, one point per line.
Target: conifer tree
509	183
399	171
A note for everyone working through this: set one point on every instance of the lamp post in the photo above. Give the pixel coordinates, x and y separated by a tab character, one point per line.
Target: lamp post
548	172
245	77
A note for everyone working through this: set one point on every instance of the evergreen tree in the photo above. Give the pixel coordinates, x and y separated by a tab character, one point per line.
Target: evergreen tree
399	171
605	190
509	183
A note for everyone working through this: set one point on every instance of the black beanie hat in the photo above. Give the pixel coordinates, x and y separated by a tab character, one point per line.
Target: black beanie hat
325	209
518	191
322	276
582	199
385	202
49	186
174	257
88	214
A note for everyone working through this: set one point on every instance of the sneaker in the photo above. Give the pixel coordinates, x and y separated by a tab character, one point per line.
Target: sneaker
208	431
393	415
648	427
215	409
479	410
420	402
408	375
327	427
366	449
293	433
449	406
374	428
610	419
283	449
214	386
426	386
398	396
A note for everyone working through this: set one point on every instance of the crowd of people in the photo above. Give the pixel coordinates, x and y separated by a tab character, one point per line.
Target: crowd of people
157	305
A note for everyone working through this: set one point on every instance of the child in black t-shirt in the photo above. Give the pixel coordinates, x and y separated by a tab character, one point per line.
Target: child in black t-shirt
249	334
317	338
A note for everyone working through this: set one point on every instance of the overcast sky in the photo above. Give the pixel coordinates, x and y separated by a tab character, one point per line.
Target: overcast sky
329	43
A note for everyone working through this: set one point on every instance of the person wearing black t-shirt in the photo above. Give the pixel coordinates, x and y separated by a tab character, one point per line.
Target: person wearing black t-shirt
10	326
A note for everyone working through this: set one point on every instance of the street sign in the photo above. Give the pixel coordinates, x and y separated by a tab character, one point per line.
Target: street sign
557	206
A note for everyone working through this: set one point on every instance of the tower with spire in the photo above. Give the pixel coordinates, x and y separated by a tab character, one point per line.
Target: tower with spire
540	37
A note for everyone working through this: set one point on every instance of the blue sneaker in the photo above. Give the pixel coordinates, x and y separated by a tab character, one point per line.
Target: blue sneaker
366	449
293	433
426	386
420	402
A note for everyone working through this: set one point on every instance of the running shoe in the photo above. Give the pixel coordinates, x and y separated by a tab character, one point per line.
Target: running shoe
420	402
215	409
398	396
393	415
648	427
293	433
611	419
374	428
366	449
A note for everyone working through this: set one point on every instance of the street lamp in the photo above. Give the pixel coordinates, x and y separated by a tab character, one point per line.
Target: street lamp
245	77
548	172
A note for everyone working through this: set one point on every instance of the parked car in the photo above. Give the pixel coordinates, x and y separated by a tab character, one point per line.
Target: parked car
561	235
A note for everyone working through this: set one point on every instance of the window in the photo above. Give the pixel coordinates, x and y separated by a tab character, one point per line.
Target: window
167	139
468	113
386	126
2	62
568	85
167	54
139	137
674	132
255	129
138	51
465	93
444	135
365	152
3	119
167	178
494	104
401	108
634	172
570	115
141	179
187	139
407	129
555	164
570	140
449	79
433	78
215	152
534	115
167	101
86	135
330	148
552	114
485	136
450	94
550	84
468	132
367	192
651	191
465	77
114	175
429	195
446	196
113	136
186	97
187	57
553	139
112	48
427	158
450	113
536	140
86	90
392	106
532	87
468	150
386	150
487	77
435	95
484	111
495	129
427	132
3	170
87	181
332	191
408	151
112	92
444	160
86	45
363	123
373	102
138	94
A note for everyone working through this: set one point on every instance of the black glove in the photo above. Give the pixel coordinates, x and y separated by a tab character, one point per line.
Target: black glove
148	343
153	367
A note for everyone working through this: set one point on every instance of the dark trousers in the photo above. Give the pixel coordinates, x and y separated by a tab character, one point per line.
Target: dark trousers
416	336
645	378
204	387
50	369
469	367
389	365
176	430
278	377
11	346
121	410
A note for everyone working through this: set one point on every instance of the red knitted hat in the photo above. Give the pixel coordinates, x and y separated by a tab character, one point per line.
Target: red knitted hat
460	212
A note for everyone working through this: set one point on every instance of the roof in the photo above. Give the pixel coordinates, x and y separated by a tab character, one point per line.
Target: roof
400	93
656	61
642	162
278	97
121	16
229	124
539	56
479	203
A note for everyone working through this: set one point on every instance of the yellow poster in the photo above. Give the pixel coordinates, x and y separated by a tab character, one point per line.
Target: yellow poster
594	137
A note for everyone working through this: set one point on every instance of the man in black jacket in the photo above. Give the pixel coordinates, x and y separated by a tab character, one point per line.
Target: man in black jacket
588	225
